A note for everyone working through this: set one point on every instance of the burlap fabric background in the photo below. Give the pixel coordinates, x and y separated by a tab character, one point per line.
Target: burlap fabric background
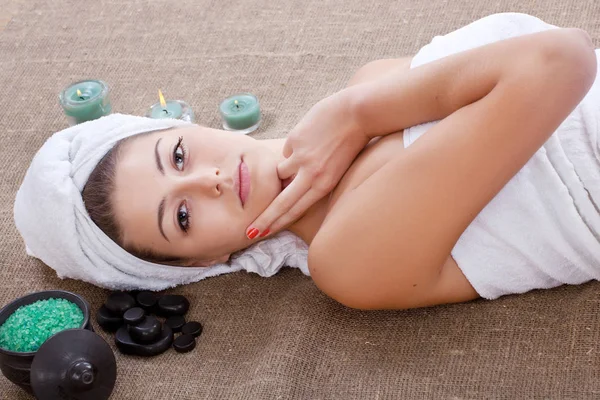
279	338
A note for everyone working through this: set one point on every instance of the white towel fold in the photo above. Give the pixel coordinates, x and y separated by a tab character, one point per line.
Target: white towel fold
543	229
52	219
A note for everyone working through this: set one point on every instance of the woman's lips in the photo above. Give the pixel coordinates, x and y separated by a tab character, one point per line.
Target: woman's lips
244	182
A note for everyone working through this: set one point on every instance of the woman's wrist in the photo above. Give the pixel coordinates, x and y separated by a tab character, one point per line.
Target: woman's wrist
351	101
363	102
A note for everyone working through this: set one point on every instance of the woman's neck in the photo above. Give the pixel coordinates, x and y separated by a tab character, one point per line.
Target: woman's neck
307	226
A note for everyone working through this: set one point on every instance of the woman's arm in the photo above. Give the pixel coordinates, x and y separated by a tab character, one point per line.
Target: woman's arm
384	245
401	98
377	69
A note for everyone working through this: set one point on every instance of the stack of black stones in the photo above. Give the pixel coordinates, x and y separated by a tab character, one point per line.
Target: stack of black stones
133	318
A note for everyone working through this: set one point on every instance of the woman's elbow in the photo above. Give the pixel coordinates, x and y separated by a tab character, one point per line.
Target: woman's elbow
573	56
588	61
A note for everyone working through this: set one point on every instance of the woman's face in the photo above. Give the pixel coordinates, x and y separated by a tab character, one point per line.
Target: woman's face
190	193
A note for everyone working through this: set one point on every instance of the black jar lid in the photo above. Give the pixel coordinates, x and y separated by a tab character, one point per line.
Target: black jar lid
74	364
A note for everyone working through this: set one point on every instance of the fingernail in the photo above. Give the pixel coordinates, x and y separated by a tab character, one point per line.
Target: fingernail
252	233
265	233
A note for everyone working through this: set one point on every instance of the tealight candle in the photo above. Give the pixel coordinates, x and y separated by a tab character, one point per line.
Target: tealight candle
241	113
85	101
176	109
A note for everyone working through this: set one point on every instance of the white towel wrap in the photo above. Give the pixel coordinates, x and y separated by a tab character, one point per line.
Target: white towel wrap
543	229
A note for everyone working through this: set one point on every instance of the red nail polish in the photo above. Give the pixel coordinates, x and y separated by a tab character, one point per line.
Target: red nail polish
252	233
265	233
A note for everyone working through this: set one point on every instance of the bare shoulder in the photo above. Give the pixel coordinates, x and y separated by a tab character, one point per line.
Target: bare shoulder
353	287
365	254
362	269
360	272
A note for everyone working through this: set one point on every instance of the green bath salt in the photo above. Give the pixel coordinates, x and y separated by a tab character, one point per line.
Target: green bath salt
30	326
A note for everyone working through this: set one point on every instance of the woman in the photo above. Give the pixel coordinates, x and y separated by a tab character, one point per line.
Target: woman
381	219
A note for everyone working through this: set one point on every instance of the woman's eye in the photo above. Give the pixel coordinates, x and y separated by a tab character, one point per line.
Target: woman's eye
183	217
179	155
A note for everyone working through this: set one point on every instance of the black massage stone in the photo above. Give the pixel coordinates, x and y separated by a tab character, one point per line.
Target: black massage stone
193	328
119	302
126	345
176	322
147	300
184	343
134	316
107	320
172	304
142	329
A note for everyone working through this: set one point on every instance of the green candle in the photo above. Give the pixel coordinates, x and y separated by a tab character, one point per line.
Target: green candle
171	109
85	101
176	109
241	113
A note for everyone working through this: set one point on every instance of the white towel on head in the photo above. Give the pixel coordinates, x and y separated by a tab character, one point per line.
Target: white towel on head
53	221
543	228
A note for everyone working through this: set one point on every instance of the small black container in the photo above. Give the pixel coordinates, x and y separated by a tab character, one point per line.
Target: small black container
16	366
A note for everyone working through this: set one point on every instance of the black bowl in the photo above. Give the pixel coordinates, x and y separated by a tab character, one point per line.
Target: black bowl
16	366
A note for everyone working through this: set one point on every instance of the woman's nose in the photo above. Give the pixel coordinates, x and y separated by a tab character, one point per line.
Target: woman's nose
209	181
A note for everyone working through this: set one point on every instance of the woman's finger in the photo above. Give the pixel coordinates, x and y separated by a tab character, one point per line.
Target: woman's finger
309	198
288	150
280	205
287	168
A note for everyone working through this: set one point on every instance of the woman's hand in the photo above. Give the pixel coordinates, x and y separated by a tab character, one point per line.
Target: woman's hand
318	152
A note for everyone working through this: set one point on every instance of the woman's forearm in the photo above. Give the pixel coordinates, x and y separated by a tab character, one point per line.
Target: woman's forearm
435	90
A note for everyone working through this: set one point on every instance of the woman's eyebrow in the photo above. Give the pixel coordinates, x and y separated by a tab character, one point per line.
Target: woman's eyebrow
161	213
157	157
161	206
